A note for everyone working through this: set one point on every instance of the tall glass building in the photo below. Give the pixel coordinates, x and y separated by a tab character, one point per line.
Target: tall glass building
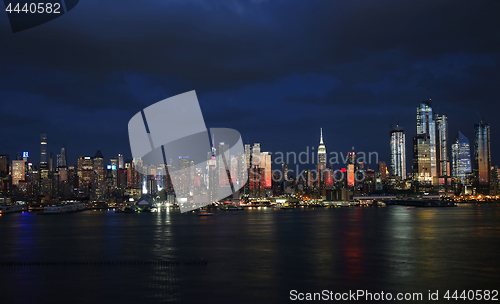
442	145
424	145
482	156
461	162
398	153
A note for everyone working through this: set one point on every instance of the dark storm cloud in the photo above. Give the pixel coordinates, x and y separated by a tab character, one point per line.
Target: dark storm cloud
263	67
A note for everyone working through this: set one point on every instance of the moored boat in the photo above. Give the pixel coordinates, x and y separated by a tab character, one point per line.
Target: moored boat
64	208
13	208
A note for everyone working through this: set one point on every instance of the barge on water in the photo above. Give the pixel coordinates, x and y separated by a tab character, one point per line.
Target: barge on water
424	203
64	208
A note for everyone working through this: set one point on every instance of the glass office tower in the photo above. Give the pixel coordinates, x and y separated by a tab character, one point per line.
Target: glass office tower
482	156
461	162
424	145
398	153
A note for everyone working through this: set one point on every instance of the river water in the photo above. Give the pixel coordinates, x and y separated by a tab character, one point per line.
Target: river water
252	256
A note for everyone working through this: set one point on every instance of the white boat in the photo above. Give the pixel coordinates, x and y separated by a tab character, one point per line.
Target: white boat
13	208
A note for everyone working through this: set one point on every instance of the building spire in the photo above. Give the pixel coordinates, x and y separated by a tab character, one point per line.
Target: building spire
321	137
213	145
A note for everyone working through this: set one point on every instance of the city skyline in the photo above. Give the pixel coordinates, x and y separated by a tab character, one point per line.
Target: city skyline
249	151
446	146
353	76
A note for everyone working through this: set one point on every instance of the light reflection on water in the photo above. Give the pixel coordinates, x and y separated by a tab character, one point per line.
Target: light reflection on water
255	255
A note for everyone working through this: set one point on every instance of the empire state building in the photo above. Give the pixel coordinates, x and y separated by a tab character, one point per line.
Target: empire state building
321	154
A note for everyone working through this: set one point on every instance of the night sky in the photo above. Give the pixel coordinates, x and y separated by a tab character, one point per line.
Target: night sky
276	71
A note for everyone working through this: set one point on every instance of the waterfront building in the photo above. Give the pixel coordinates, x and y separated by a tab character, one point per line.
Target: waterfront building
482	157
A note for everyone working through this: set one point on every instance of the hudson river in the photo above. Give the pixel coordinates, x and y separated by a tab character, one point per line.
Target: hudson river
252	256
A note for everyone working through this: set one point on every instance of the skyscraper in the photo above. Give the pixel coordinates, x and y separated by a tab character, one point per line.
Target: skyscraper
266	178
382	169
114	172
256	155
424	145
321	154
4	166
398	153
85	170
482	156
248	151
61	158
212	176
223	164
121	164
461	163
442	145
43	149
99	177
18	171
52	162
351	168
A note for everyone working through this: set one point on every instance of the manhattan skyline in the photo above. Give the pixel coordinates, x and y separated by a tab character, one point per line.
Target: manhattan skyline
404	152
354	76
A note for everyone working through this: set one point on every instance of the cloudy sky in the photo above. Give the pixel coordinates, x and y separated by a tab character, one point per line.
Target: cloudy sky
275	70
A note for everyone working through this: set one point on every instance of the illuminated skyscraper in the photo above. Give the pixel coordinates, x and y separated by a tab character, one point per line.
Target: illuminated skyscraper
321	154
351	168
61	158
223	164
424	145
248	151
85	174
121	164
18	171
398	153
382	169
186	175
442	145
482	156
461	163
256	155
265	164
99	178
114	172
212	176
234	166
43	150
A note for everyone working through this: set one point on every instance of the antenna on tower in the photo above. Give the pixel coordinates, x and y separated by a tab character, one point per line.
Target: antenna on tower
321	137
479	115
